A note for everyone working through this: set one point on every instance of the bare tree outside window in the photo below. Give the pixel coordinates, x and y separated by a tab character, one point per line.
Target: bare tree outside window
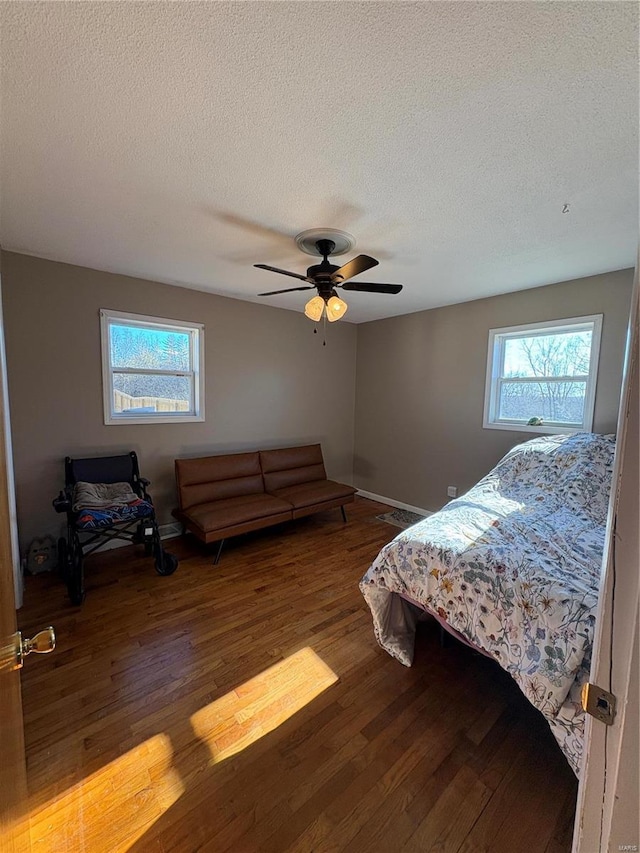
135	347
562	356
152	369
541	376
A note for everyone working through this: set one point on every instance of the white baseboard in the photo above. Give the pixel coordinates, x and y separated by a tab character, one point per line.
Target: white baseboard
391	502
171	530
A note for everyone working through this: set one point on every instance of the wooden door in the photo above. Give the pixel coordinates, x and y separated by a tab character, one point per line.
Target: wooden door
607	810
14	836
13	785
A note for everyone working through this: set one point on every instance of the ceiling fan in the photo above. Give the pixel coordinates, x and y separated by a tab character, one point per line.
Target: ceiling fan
326	277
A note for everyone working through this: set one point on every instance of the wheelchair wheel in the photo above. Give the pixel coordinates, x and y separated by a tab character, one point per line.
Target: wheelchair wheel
75	579
166	563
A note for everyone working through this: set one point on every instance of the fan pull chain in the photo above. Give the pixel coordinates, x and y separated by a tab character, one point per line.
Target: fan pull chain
324	329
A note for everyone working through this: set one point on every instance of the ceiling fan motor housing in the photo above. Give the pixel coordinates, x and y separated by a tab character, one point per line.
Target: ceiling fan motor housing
325	276
321	273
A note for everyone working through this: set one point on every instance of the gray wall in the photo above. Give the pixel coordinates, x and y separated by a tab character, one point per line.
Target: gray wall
417	383
420	386
269	381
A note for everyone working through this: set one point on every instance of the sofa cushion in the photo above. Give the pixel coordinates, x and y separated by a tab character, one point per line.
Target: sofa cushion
212	478
290	466
220	514
310	494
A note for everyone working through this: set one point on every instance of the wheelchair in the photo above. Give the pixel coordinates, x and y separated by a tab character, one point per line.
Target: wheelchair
88	530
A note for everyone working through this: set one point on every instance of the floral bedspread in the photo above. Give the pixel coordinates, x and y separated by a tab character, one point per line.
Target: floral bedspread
514	566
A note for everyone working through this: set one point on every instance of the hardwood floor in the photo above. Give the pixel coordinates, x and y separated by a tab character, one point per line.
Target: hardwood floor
247	707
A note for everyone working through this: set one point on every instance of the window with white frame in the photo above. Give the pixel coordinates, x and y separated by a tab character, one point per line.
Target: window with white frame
542	377
152	369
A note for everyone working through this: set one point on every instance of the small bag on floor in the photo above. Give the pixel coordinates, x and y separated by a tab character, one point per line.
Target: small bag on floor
42	555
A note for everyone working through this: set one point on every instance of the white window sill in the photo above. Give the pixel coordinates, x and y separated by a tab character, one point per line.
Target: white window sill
541	430
150	419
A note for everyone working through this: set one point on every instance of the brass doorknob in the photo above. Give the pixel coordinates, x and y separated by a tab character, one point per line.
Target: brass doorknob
42	643
17	648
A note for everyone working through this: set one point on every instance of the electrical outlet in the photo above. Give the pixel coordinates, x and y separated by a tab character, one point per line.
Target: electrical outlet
452	491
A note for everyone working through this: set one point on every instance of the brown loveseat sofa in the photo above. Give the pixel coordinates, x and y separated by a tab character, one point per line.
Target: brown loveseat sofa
223	496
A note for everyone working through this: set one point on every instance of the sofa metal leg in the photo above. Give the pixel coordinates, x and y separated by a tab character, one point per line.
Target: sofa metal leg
218	552
344	514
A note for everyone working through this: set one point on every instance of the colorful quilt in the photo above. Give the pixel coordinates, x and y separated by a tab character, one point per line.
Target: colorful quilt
514	566
91	518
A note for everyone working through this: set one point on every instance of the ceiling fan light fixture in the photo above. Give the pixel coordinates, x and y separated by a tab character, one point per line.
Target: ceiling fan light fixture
326	276
314	309
336	308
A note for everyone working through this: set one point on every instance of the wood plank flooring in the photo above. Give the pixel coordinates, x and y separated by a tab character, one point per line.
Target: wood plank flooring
247	707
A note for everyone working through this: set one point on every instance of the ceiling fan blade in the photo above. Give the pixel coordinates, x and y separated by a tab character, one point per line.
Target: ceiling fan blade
354	267
288	290
282	272
371	288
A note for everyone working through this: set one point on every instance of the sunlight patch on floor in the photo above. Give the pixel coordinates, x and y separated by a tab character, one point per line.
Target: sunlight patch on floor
241	717
114	807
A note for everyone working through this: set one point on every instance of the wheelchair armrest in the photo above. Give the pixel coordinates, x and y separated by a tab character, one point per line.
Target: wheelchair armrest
63	502
142	484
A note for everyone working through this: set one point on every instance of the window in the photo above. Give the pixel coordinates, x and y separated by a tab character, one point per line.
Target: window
542	377
152	369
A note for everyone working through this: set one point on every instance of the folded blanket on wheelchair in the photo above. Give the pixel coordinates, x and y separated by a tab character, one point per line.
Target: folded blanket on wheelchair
101	495
105	504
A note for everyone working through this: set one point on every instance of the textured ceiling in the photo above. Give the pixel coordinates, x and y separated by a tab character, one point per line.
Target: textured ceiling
181	141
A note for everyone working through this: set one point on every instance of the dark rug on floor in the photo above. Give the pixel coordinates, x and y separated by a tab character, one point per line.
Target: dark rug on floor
401	518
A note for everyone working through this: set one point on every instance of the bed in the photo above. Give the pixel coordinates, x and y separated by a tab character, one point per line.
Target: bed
513	568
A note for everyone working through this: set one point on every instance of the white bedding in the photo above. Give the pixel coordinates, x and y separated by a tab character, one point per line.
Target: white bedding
514	566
